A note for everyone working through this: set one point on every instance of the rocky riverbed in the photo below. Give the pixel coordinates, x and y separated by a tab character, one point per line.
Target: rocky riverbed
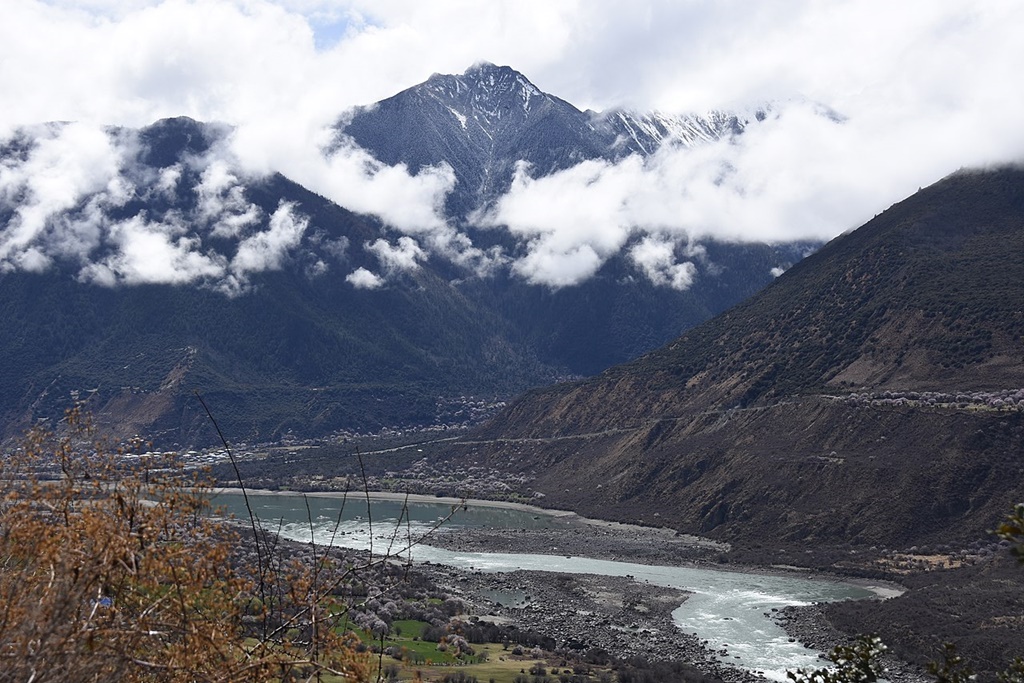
620	615
623	617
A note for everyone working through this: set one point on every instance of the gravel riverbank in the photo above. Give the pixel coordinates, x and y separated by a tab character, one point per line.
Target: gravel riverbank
603	541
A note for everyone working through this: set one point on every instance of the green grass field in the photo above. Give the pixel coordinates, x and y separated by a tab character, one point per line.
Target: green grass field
422	659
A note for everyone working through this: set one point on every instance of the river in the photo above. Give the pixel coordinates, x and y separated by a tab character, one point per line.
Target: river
727	608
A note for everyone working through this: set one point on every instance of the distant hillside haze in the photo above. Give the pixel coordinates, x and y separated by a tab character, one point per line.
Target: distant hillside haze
140	266
874	393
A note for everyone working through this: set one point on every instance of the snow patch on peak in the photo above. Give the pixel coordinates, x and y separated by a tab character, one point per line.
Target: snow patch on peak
646	131
529	89
485	93
461	117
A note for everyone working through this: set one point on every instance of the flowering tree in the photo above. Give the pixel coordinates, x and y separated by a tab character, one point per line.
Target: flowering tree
111	568
856	663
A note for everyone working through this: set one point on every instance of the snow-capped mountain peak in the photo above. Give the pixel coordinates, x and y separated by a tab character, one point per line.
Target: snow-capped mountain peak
643	132
485	92
485	121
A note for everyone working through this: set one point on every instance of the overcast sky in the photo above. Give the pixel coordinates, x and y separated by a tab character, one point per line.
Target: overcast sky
923	86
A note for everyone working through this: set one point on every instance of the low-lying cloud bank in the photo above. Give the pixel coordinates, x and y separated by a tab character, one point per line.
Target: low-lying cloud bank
80	195
76	193
922	88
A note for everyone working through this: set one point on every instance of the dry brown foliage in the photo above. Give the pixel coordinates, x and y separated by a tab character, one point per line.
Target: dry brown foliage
111	569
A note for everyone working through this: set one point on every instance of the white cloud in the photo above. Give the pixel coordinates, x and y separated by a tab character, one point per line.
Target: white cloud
656	258
257	61
222	200
152	253
926	86
167	184
458	248
361	278
267	250
403	257
572	221
798	175
32	260
66	164
64	189
352	178
556	268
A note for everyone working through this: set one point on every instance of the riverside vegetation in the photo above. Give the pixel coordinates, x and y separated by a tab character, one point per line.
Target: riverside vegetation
112	568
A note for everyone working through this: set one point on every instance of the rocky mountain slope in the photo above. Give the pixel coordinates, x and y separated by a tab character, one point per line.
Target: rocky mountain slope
871	395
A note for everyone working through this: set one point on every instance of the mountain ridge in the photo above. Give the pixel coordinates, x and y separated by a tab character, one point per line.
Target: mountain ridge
254	299
442	121
867	396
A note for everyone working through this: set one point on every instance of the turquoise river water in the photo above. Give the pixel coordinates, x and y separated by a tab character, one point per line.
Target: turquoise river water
727	608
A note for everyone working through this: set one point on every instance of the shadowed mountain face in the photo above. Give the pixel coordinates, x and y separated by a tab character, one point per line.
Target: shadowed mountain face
299	349
871	394
179	272
271	332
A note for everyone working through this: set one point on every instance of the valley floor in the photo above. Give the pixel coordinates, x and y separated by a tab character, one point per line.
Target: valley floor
968	596
618	615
